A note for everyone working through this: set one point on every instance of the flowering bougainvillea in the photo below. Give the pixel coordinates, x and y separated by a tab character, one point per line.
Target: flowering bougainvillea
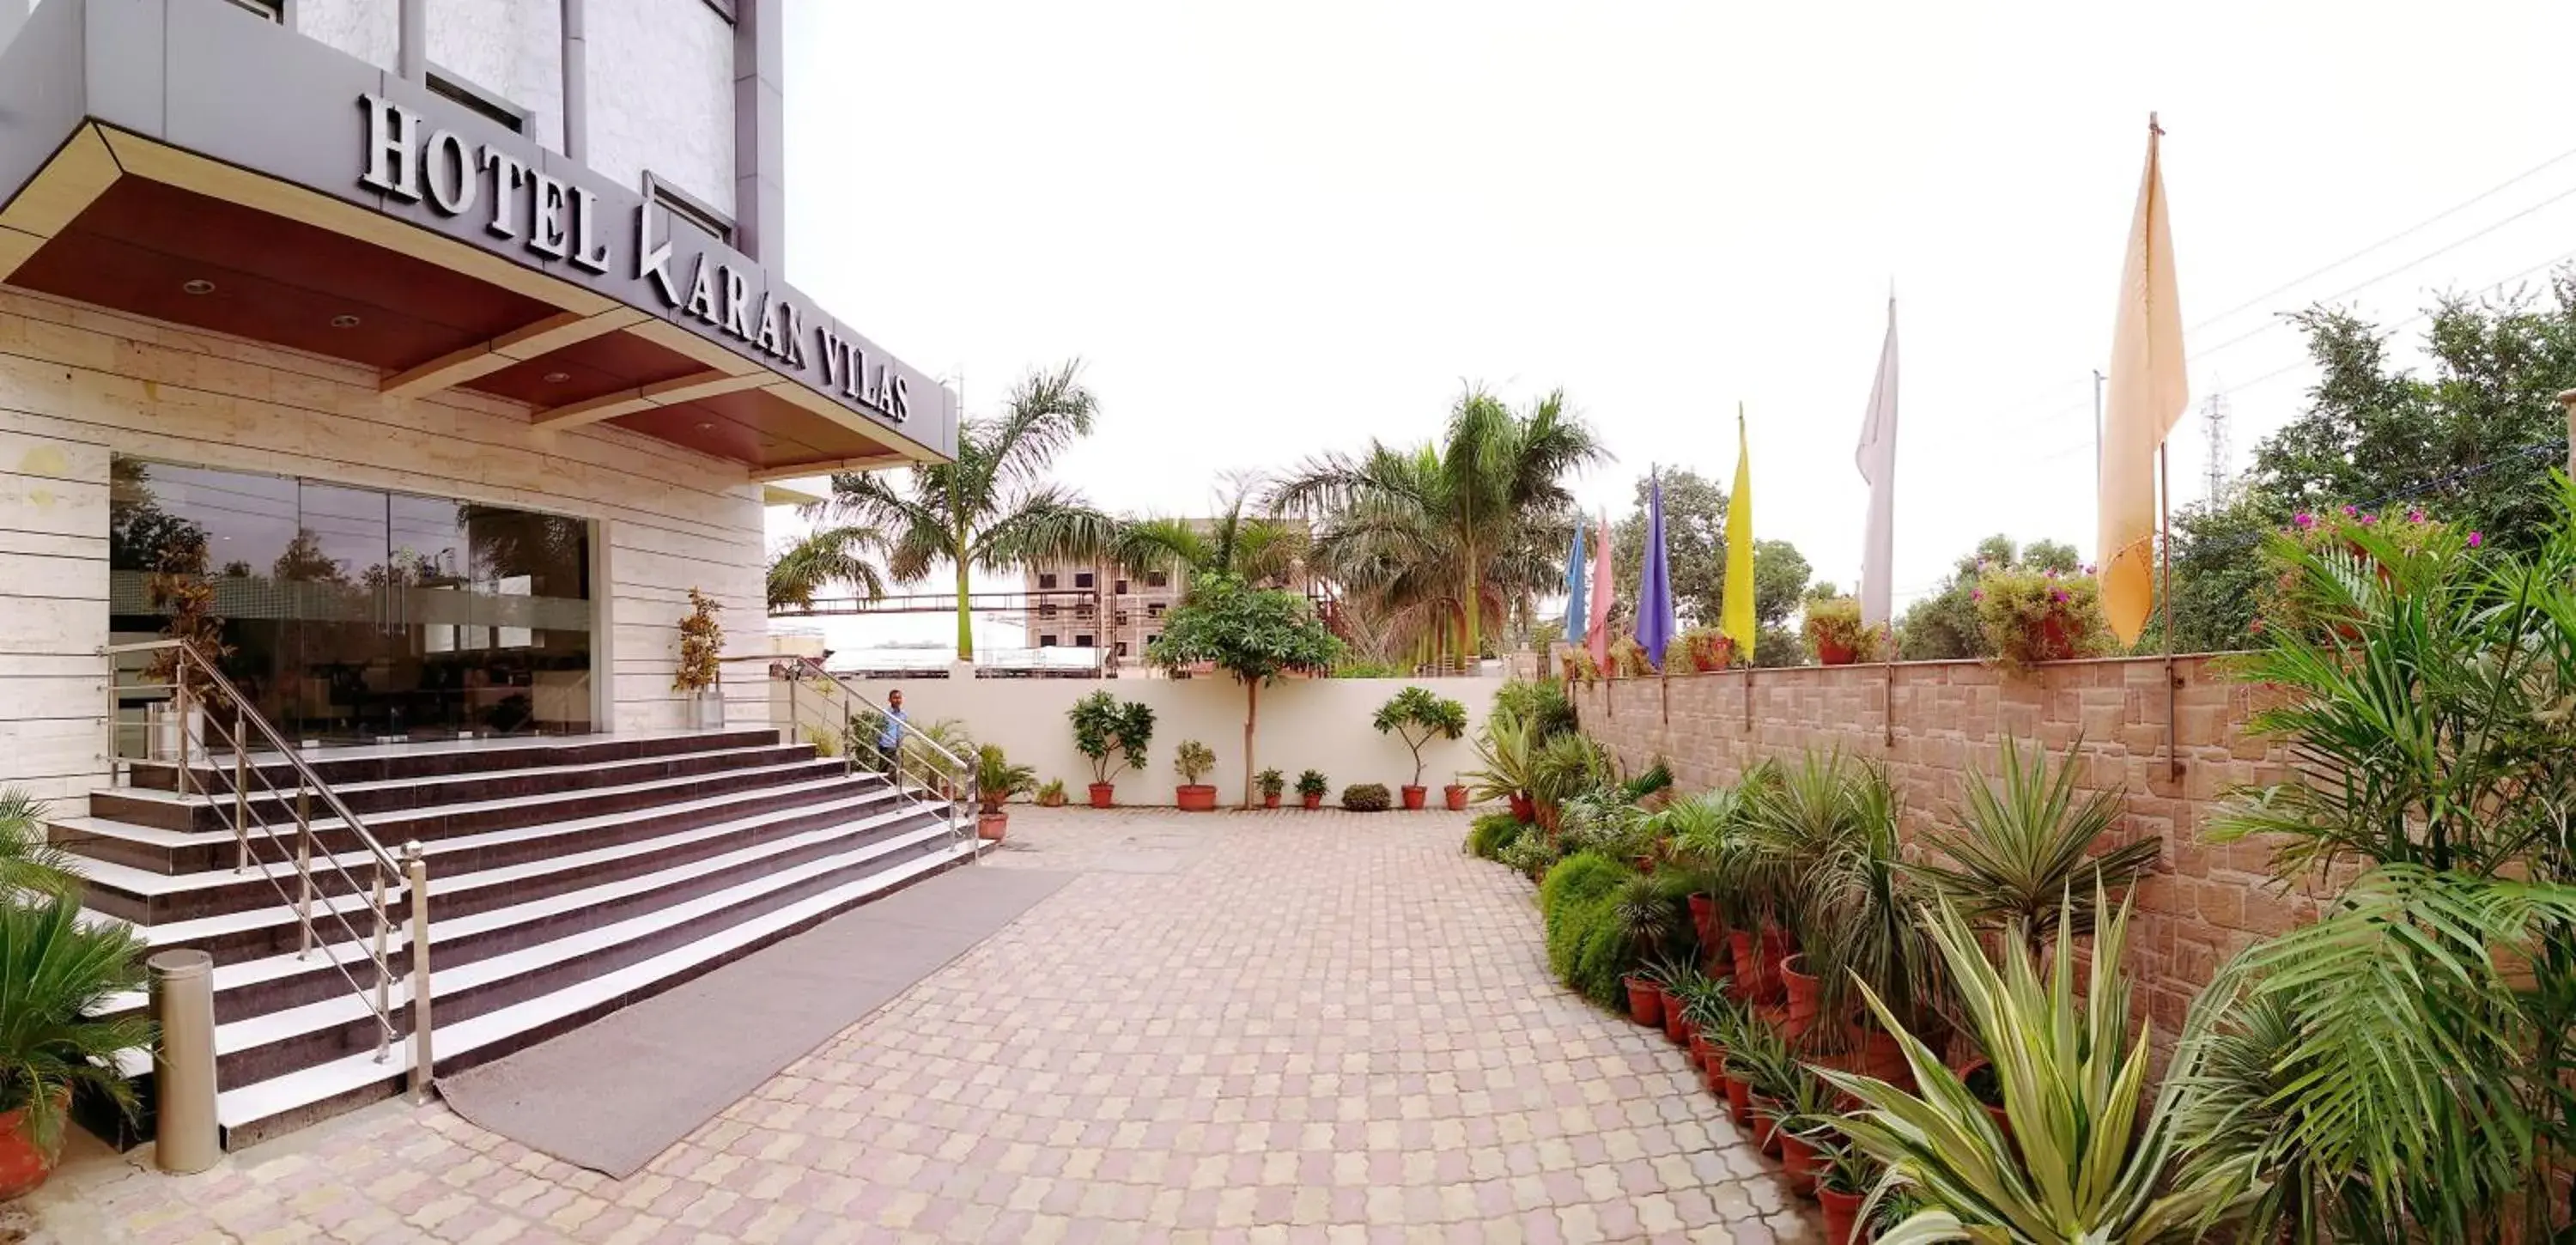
2032	616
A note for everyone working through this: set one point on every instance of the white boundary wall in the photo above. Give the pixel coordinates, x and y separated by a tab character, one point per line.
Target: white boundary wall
1305	723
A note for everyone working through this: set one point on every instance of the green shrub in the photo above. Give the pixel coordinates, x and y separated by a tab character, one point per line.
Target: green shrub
1541	704
1367	797
1531	854
1491	833
1587	945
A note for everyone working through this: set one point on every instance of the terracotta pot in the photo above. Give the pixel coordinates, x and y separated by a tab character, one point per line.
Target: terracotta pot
2003	1122
1104	794
1829	653
1842	1216
1198	799
1675	1028
2054	644
1714	1069
1766	1128
1739	1100
1415	798
1645	1001
1703	912
1798	1162
1457	797
23	1167
1699	1050
1312	801
1802	989
1777	946
1524	810
1747	982
1881	1056
992	825
1269	799
1547	814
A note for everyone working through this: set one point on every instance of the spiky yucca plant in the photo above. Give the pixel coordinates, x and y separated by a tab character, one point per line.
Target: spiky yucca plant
2022	845
2082	1165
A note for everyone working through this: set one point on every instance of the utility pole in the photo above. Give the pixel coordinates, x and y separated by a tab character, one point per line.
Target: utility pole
2215	425
2097	440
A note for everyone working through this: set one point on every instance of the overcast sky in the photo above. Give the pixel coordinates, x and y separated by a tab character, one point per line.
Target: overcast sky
1274	230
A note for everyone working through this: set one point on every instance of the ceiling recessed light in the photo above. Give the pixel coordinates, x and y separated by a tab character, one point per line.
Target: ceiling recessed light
557	378
704	426
197	285
344	321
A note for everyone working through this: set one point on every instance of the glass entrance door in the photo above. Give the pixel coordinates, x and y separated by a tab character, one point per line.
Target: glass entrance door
361	615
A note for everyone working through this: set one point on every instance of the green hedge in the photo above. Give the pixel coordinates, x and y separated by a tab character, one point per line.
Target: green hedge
1491	833
1585	946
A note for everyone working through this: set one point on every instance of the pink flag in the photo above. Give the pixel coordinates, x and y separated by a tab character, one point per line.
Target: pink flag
1599	638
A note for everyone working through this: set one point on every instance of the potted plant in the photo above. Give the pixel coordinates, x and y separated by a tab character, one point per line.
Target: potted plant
1645	995
1834	628
996	781
1367	797
1311	787
1417	715
1112	737
1454	797
1700	650
701	642
1052	794
1192	762
2035	615
178	590
1808	1104
1271	782
1506	745
1628	659
1844	1177
56	973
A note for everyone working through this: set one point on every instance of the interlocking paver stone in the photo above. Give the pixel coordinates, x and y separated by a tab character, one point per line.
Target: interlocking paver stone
1243	1027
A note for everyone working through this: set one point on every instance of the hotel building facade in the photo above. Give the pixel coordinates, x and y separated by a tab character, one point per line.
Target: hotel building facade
440	347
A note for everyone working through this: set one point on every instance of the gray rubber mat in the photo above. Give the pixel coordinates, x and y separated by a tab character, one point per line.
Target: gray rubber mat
611	1095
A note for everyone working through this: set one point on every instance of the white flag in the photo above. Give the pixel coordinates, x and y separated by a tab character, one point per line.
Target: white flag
1877	459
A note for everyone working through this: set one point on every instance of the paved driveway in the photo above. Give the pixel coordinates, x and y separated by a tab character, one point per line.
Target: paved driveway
1232	1027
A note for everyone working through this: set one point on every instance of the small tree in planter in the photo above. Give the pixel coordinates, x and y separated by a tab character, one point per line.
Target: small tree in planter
1311	787
1113	736
1835	630
1254	634
179	591
701	641
1417	714
1271	782
1192	762
1700	650
2031	615
996	781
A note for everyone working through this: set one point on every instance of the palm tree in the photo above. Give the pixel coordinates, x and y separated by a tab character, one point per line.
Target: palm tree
992	509
28	864
1261	550
824	557
1463	528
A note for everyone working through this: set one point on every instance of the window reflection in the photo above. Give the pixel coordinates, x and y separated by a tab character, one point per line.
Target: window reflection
359	614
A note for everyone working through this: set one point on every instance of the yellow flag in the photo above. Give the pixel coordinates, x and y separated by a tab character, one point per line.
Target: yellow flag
2146	394
1738	601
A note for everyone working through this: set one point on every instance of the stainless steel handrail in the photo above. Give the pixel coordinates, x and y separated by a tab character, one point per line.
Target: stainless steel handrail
408	876
963	776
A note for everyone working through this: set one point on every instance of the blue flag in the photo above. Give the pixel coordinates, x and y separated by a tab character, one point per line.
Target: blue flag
1655	584
1576	614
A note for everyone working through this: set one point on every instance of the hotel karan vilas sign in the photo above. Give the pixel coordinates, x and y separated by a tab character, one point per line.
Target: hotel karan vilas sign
309	199
413	161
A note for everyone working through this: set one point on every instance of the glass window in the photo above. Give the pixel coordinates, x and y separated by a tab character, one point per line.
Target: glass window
1082	579
358	614
1120	588
1046	579
1082	641
1046	641
1157	579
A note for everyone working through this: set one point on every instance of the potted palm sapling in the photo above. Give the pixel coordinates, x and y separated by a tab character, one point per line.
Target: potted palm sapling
701	642
1052	794
56	975
1112	737
1311	787
1417	715
1271	782
996	781
1192	762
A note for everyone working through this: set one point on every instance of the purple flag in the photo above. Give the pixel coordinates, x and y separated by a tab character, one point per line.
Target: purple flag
1655	583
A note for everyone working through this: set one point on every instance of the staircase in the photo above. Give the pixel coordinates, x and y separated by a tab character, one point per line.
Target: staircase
567	877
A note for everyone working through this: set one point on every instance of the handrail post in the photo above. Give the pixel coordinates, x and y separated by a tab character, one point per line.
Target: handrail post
849	742
416	870
303	870
179	708
241	800
384	970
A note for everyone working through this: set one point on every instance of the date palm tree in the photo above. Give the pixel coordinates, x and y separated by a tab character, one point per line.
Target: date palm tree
993	509
825	556
1462	528
1261	550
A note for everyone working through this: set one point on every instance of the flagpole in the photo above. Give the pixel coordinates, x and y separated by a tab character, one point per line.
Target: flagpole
2164	525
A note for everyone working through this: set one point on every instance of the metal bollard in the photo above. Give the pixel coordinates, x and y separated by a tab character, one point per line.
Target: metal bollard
186	1138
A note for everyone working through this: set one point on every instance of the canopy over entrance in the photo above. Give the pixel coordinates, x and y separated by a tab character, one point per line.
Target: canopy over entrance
265	185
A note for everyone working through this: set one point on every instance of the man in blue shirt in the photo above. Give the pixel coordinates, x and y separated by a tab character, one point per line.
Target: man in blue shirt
891	737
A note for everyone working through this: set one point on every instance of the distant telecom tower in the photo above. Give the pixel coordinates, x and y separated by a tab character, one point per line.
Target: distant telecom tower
2214	424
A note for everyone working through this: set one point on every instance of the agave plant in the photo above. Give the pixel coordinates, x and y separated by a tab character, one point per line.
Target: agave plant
55	973
1567	766
2022	847
2082	1164
1507	746
1647	913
